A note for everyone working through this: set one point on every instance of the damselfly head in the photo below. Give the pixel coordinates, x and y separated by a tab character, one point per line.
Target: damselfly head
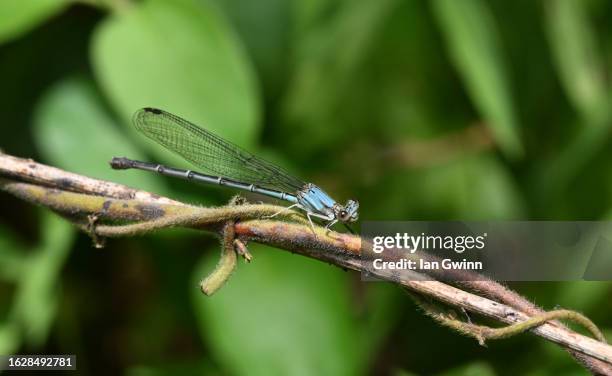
349	212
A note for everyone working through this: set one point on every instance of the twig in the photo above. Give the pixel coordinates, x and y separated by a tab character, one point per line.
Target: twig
226	265
27	170
78	198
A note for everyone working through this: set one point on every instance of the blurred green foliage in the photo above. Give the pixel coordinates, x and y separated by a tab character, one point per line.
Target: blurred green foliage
438	109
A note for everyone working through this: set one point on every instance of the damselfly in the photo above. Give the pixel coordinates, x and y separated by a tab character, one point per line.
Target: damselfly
232	166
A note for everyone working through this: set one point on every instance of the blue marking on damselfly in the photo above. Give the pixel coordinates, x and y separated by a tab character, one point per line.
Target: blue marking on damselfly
232	166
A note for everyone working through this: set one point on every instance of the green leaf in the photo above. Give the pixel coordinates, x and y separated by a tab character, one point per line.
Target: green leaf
572	38
283	315
583	296
328	57
582	73
264	26
11	256
74	131
10	338
198	367
483	179
180	56
20	16
475	48
472	369
553	175
37	294
451	190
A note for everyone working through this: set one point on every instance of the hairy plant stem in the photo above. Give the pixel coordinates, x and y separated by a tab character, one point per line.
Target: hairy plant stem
106	209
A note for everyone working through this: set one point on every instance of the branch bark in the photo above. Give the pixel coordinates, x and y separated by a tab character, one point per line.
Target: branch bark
78	198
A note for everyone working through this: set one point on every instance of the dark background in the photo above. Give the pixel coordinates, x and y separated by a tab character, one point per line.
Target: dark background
466	110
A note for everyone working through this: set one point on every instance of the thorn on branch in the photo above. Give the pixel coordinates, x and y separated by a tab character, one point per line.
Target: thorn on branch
98	241
242	250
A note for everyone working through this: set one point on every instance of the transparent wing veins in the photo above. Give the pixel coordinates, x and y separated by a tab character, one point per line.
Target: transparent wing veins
210	152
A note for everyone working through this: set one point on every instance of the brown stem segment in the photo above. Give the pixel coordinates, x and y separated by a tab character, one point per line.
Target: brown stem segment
78	197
